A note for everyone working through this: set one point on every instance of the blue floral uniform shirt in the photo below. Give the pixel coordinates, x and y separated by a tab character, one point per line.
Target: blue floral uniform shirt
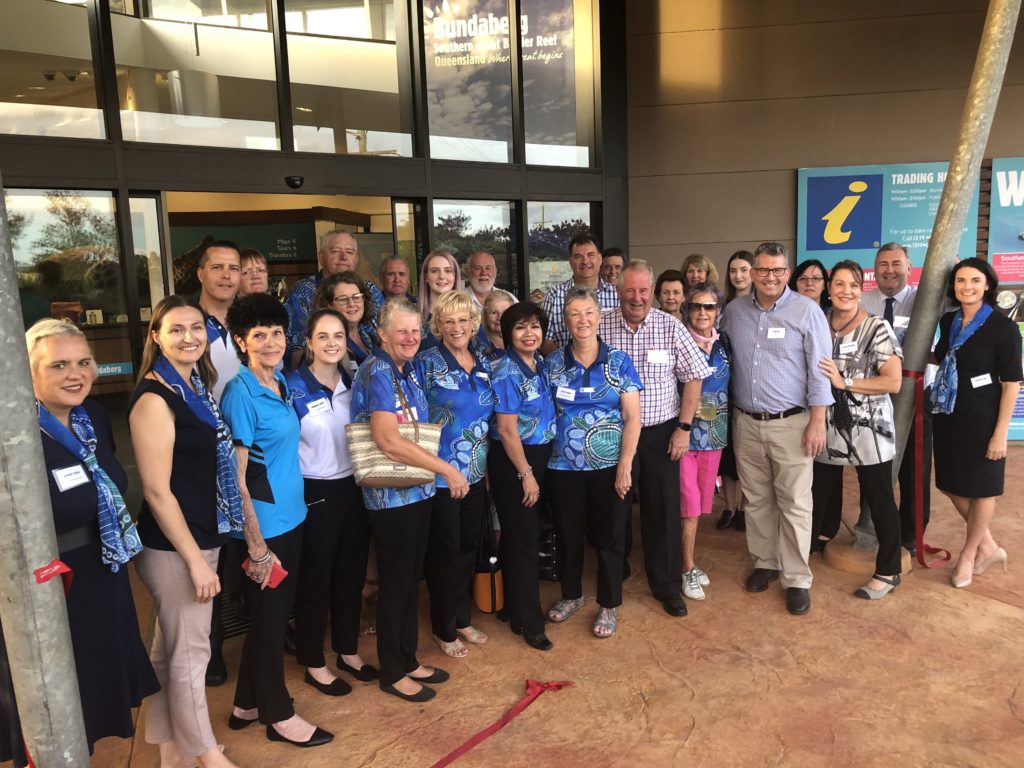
587	401
299	305
712	434
482	345
462	403
375	389
527	394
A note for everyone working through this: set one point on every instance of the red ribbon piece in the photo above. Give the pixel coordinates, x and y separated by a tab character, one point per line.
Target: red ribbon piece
922	548
53	568
533	690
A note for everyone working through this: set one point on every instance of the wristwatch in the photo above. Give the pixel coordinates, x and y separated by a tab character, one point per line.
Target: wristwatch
849	384
685	426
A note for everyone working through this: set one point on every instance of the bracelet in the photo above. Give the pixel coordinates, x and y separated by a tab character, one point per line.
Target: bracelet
261	560
521	475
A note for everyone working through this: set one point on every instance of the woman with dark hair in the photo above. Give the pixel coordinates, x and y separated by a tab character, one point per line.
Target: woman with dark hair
669	291
336	539
739	282
256	405
979	354
95	538
348	295
810	278
524	427
865	368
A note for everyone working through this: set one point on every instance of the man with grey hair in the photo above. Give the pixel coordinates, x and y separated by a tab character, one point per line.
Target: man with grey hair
665	356
339	252
780	396
481	272
394	278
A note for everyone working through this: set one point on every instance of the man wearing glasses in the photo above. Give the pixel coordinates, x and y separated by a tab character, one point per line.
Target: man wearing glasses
778	338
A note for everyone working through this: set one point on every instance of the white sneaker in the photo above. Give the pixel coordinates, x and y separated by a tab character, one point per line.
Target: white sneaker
691	585
702	577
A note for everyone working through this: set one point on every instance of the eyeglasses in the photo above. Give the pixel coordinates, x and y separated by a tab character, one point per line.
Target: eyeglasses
776	271
254	271
706	307
462	322
346	300
809	279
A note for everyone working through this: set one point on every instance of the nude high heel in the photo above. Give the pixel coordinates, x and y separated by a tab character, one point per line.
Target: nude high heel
999	556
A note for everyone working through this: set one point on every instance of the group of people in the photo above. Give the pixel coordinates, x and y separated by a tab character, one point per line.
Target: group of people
581	405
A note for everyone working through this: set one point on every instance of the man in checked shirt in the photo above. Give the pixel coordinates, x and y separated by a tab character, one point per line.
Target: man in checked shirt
665	356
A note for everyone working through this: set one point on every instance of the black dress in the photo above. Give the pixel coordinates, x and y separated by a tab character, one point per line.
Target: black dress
114	673
961	438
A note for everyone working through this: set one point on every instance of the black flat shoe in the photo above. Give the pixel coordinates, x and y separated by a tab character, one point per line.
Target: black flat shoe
539	642
437	676
725	520
798	600
423	694
759	579
674	606
739	520
818	545
319	737
337	687
238	723
364	674
216	670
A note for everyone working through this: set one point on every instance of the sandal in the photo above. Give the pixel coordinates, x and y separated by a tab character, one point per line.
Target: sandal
472	635
605	623
455	648
563	609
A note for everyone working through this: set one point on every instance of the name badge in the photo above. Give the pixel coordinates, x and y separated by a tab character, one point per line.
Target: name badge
981	381
70	477
587	390
659	357
848	348
483	375
776	333
564	393
319	406
900	321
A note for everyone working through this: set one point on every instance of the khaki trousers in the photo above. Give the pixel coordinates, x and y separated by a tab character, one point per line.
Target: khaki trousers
181	651
776	477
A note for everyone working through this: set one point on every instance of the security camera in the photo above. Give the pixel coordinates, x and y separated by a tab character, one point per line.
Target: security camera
295	182
49	75
71	74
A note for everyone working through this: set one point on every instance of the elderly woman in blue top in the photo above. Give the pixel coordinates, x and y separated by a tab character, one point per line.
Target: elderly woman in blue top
348	295
524	427
266	434
597	398
336	539
399	517
488	340
457	383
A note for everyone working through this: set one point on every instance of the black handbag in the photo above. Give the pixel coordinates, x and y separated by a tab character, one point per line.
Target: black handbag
488	586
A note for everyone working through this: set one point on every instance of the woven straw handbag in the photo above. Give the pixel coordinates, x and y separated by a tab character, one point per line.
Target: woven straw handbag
375	470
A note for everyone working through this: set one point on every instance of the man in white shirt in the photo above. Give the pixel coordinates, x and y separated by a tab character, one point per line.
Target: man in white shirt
481	271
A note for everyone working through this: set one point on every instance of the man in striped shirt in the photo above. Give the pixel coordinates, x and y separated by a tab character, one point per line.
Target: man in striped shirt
665	356
780	396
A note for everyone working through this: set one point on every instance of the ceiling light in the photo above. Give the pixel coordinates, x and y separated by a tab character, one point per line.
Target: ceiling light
19	95
37	87
303	109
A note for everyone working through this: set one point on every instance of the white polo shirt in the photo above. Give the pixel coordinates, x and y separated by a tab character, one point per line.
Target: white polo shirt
323	445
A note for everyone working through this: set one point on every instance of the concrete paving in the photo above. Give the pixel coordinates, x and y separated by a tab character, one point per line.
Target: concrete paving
930	675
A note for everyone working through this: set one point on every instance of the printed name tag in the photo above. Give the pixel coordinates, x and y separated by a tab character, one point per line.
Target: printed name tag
70	477
483	375
776	333
848	348
981	381
901	321
319	406
659	356
587	390
564	393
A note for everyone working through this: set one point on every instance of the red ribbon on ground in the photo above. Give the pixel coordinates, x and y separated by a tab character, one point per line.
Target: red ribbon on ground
533	690
922	548
51	569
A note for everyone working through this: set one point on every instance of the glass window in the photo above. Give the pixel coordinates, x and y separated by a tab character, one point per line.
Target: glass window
409	237
246	14
149	267
187	83
558	81
551	227
466	226
347	97
469	80
48	80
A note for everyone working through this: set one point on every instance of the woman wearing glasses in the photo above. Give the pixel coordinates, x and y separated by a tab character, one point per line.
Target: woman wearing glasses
457	383
810	278
254	273
349	296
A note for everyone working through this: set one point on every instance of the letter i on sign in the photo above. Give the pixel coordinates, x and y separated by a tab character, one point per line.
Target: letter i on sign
836	218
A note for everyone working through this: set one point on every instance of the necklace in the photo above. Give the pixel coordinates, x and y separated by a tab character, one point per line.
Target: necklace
837	333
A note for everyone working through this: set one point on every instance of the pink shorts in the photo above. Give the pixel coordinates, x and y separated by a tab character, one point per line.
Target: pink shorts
697	473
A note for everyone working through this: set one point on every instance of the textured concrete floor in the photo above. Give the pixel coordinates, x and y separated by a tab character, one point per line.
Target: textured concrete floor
928	676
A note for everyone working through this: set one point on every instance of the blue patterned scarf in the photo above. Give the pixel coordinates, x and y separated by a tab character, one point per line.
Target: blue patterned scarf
944	389
201	403
119	541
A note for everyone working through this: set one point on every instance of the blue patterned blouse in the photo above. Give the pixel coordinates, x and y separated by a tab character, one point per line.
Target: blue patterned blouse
527	394
482	345
587	401
462	403
711	434
374	389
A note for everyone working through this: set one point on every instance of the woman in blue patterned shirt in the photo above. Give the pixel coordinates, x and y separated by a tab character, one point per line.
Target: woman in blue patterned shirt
524	427
399	517
457	383
597	398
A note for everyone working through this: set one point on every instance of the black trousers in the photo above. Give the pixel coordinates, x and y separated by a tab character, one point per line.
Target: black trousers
876	489
400	537
261	669
456	526
586	505
906	478
517	550
656	479
335	548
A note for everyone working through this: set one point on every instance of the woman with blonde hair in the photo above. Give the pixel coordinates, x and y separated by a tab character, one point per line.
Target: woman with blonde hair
697	269
439	274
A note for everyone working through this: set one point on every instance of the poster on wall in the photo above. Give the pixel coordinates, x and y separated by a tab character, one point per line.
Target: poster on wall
1006	219
848	212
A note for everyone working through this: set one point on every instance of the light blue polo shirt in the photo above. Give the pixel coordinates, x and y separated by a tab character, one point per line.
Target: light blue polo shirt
268	426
